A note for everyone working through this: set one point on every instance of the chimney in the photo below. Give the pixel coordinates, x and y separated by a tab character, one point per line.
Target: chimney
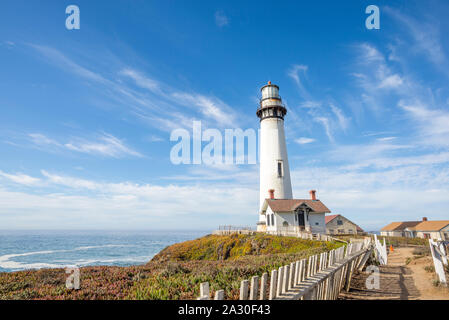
312	194
271	192
424	219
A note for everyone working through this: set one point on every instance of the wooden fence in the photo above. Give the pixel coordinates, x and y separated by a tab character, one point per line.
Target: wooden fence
380	251
228	230
290	231
320	277
440	256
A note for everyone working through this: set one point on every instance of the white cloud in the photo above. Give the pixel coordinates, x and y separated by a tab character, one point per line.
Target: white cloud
295	73
393	81
105	145
433	123
304	140
386	139
326	125
85	203
221	19
159	102
208	107
56	57
42	140
142	81
425	33
21	178
375	198
343	121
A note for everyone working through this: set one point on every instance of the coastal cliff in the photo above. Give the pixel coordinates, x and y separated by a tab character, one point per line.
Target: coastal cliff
174	273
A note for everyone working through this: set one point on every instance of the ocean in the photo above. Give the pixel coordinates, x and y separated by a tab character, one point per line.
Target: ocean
21	250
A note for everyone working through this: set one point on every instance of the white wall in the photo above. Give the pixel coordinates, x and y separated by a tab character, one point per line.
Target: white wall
287	216
272	149
317	222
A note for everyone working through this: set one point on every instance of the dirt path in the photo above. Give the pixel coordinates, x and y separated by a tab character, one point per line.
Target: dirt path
399	281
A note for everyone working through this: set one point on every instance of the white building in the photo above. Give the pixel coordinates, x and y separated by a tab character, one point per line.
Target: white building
294	215
278	210
274	168
338	224
437	229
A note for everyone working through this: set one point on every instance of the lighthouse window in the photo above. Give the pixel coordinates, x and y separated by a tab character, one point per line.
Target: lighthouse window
280	171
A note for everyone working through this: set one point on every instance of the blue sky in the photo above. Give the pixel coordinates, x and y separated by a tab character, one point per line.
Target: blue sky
86	115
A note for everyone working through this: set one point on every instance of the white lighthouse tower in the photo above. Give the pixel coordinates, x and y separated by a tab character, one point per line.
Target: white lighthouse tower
274	168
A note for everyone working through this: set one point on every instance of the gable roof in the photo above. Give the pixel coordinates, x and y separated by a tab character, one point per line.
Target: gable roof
400	226
431	225
289	205
331	217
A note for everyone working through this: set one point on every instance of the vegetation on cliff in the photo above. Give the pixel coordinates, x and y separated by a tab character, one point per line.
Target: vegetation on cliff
219	248
175	273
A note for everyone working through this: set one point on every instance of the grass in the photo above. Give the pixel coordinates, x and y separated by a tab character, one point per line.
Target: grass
403	241
215	247
175	273
429	268
395	241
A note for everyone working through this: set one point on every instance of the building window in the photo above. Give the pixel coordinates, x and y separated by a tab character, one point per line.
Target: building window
331	231
280	169
339	222
272	219
341	231
285	224
268	220
317	224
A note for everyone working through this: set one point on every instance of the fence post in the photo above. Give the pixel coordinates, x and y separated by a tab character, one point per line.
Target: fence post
296	279
219	295
320	265
204	291
349	275
309	266
263	286
244	290
280	281
291	279
303	269
330	288
273	284
286	279
364	260
254	288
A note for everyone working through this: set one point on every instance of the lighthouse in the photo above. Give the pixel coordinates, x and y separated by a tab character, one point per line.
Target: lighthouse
274	169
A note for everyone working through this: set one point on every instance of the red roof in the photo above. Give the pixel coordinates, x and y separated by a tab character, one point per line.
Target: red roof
328	219
288	205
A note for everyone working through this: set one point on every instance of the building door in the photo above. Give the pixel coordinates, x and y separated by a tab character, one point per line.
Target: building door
301	222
